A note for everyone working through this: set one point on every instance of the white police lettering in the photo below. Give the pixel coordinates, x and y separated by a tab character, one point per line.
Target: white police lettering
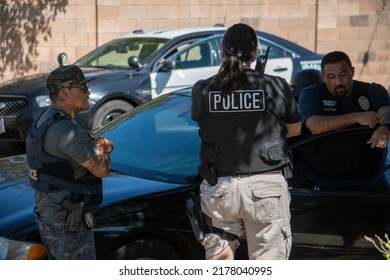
33	174
238	101
329	105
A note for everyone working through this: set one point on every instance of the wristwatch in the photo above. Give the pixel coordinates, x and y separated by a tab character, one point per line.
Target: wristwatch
387	125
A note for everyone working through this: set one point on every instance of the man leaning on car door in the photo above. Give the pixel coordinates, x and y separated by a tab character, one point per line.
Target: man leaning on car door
338	103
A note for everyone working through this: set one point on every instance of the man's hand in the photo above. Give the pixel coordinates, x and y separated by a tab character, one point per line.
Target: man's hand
321	124
379	138
104	145
99	164
368	118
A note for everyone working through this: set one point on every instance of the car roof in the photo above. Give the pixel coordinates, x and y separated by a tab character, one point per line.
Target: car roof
286	44
177	32
172	33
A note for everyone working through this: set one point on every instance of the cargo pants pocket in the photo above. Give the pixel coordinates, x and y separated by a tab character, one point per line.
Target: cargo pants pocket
213	199
267	202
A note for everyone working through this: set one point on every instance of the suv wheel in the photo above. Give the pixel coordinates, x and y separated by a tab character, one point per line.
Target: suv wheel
109	111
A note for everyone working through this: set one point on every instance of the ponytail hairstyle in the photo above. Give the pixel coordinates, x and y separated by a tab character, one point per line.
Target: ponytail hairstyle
239	43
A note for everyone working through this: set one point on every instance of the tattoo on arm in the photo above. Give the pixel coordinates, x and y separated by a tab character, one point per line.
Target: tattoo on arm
100	161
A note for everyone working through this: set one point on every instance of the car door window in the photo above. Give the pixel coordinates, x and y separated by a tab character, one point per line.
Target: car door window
195	57
275	51
172	52
199	60
339	161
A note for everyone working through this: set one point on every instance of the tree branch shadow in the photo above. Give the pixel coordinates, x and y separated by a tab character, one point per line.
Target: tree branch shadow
22	24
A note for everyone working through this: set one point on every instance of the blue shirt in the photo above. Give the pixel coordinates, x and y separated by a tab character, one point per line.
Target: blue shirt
324	165
317	100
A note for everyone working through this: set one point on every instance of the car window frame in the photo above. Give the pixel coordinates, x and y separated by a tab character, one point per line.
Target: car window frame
301	142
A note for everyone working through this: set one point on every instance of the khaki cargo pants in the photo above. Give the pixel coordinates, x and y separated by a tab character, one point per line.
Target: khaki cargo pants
257	205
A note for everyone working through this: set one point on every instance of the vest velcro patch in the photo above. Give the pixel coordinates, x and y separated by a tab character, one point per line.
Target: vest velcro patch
238	101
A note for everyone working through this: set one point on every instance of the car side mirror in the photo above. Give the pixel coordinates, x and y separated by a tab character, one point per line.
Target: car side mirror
168	65
134	62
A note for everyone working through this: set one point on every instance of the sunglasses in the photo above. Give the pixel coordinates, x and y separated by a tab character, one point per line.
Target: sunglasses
84	89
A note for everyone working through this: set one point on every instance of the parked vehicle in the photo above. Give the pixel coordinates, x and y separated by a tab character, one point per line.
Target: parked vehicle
154	167
134	69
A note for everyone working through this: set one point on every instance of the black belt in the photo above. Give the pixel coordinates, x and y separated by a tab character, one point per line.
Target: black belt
223	174
223	234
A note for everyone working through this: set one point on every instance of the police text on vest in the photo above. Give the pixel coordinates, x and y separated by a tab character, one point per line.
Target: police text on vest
238	101
33	174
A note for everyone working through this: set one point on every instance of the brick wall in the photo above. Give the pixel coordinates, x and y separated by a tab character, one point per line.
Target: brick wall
359	27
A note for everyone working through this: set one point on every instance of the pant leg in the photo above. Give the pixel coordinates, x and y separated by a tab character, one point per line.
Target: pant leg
63	245
221	204
266	216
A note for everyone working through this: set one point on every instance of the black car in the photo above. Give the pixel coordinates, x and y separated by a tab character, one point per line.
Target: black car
154	168
136	68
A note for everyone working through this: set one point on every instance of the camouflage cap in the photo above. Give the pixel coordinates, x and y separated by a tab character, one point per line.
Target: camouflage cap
65	76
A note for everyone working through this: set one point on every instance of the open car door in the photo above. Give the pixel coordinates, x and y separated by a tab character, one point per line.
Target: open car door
332	222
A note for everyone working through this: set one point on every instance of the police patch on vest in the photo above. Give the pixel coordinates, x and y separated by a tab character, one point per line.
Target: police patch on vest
364	103
238	101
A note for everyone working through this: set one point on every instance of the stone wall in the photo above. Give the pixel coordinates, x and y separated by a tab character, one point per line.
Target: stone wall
34	32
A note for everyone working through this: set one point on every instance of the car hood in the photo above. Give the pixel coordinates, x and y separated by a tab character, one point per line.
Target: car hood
28	85
17	197
35	85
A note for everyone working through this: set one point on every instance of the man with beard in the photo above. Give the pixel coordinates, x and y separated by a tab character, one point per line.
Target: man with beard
341	102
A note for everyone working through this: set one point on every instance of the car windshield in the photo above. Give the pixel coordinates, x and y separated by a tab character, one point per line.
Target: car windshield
157	140
116	53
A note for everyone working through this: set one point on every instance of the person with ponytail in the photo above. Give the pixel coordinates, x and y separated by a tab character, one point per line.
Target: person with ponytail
245	118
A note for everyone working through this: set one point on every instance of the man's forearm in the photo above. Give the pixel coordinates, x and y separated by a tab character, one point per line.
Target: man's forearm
384	113
99	164
322	124
293	129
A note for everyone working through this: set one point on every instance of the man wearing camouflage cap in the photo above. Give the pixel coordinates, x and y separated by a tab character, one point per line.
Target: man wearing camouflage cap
66	163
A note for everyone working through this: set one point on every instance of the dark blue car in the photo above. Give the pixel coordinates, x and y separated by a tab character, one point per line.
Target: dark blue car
154	167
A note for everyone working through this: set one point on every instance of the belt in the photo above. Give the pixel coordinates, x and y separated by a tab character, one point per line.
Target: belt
223	174
224	234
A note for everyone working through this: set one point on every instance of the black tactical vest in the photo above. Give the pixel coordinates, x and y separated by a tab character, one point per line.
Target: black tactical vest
245	129
49	173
